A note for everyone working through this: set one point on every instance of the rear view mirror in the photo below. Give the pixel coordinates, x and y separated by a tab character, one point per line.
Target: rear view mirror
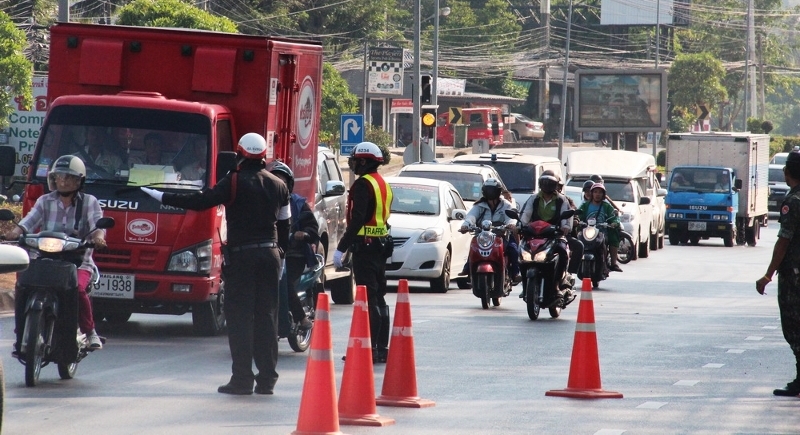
737	183
513	214
8	158
644	200
567	214
226	162
458	214
105	223
13	259
334	187
6	215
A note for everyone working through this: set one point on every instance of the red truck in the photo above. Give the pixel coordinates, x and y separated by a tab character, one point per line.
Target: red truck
194	93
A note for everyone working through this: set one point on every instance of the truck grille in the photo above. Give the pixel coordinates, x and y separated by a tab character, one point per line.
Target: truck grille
125	256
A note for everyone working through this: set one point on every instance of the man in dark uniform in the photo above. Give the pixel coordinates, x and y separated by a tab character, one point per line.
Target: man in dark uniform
257	211
368	206
786	261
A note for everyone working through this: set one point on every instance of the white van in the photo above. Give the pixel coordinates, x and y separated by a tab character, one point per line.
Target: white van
631	181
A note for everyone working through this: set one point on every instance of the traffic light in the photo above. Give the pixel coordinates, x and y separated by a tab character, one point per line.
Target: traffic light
425	90
428	117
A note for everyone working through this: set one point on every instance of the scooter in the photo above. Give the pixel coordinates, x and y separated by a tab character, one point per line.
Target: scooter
538	261
49	289
488	264
308	286
595	252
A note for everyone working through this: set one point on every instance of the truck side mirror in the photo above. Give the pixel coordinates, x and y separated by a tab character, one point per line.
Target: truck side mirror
226	162
8	158
644	200
334	187
737	184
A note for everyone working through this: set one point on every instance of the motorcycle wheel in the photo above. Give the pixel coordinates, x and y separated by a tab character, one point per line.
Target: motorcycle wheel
533	305
34	353
298	339
625	251
483	287
67	370
555	311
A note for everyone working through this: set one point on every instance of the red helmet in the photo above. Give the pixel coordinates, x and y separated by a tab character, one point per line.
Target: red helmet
598	186
252	146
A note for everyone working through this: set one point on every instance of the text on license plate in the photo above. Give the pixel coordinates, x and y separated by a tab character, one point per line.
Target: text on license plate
773	203
697	226
114	286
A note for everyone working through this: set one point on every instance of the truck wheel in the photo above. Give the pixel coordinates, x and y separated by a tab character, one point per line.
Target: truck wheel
674	237
750	235
730	238
343	290
208	318
694	240
117	317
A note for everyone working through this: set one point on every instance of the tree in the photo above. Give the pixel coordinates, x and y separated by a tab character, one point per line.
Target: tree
16	71
172	13
336	100
697	79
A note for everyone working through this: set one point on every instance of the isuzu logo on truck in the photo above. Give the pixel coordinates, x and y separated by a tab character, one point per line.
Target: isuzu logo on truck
698	207
118	204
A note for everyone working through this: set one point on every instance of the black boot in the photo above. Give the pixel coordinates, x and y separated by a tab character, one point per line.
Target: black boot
791	389
380	352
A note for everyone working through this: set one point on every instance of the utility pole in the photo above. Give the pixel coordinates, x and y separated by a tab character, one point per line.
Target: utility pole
564	87
762	85
544	78
751	51
658	54
63	11
415	130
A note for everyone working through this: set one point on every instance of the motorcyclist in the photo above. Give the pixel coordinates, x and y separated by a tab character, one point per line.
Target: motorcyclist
602	211
548	205
303	235
492	207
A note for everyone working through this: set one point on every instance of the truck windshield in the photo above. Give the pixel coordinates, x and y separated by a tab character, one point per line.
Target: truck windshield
129	146
701	180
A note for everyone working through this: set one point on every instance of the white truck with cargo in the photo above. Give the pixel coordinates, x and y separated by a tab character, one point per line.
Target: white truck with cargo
718	186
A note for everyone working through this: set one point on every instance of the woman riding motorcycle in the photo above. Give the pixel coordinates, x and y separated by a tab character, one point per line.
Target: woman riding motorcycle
602	211
492	207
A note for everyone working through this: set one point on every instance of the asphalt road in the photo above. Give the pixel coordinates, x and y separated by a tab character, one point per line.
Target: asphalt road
682	335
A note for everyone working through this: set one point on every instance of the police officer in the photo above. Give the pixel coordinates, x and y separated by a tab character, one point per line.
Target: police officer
368	206
257	211
786	261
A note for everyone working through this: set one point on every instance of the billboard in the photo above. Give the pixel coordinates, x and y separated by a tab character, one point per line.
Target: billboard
616	101
25	125
385	71
641	13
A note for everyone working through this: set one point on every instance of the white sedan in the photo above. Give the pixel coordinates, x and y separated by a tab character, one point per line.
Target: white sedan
426	216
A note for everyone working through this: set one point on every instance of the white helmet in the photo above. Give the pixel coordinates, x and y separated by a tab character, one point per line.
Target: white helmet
368	150
69	165
252	146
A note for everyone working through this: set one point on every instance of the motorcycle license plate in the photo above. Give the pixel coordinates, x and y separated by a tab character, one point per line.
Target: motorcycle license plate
697	226
114	286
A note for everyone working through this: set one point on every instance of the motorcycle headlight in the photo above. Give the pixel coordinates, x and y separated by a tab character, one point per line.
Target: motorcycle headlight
540	257
194	259
589	233
50	244
485	240
431	235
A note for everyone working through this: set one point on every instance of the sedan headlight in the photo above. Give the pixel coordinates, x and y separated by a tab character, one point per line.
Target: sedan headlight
194	259
626	217
431	235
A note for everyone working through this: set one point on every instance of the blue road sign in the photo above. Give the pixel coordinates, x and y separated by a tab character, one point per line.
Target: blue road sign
351	132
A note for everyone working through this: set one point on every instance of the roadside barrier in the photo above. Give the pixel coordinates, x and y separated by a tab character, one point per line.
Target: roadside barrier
357	396
400	378
584	369
318	412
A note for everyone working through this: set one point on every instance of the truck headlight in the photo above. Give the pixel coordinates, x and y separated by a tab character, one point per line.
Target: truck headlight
431	235
196	258
675	215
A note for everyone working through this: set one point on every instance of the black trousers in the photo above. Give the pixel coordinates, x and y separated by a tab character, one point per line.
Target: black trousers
575	254
369	269
789	306
251	310
294	269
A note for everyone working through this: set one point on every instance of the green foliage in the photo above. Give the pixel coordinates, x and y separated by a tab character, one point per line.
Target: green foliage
697	79
172	13
15	70
755	125
776	145
680	121
789	142
661	158
767	126
382	139
336	100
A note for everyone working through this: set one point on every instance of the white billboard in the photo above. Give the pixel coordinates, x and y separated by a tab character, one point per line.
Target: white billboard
635	12
25	126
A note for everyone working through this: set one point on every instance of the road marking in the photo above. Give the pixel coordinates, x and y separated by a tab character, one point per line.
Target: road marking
754	338
419	321
687	383
769	327
153	381
735	351
651	405
713	366
610	432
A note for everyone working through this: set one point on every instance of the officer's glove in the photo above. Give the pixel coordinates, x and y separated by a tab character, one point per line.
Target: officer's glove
154	193
337	258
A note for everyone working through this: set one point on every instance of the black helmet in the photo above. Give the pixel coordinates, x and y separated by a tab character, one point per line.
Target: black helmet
587	185
280	169
548	182
491	188
597	178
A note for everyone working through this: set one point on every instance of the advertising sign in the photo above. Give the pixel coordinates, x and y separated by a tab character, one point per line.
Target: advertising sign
617	101
25	126
385	71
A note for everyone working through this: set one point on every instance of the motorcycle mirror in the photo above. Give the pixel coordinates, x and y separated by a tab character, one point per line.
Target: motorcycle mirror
16	198
103	223
13	259
513	214
6	215
567	214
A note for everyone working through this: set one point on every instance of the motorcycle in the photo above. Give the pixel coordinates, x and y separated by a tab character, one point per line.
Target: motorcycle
308	286
595	252
49	289
538	261
488	263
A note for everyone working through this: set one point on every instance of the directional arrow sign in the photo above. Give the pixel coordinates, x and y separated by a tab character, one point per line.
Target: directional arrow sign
702	112
351	131
455	115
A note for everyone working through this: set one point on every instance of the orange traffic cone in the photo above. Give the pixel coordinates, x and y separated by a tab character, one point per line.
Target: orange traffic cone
584	369
318	412
357	397
400	378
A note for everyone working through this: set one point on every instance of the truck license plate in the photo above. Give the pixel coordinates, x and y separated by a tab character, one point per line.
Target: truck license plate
114	286
697	226
772	203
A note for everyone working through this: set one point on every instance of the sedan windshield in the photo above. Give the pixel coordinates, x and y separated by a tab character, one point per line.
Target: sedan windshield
467	185
415	199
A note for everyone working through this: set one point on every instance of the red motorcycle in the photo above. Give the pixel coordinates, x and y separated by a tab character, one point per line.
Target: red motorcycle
488	263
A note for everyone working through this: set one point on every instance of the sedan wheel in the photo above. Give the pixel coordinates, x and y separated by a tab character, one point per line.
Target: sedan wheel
442	282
